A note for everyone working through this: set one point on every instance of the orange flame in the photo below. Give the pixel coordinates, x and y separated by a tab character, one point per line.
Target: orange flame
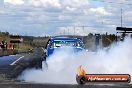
81	71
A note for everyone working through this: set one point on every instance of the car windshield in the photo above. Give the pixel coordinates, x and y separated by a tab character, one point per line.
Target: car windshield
56	44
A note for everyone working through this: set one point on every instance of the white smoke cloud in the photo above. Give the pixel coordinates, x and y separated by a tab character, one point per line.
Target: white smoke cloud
62	65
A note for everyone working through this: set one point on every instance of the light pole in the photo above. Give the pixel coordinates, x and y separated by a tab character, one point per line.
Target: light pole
121	17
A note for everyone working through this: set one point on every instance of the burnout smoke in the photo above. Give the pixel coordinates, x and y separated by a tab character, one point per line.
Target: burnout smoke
62	65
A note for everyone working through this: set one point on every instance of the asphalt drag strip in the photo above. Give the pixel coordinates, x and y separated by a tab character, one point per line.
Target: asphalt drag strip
11	66
30	85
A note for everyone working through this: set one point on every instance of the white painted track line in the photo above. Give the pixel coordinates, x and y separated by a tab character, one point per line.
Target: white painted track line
17	60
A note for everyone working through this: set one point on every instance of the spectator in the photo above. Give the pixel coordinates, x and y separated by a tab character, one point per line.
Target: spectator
2	45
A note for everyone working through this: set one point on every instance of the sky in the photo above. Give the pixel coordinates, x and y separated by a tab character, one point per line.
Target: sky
63	17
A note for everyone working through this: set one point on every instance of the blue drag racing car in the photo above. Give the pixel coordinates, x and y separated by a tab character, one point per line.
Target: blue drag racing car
57	42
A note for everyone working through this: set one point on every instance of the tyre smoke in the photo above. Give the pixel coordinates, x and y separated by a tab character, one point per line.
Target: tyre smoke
63	64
